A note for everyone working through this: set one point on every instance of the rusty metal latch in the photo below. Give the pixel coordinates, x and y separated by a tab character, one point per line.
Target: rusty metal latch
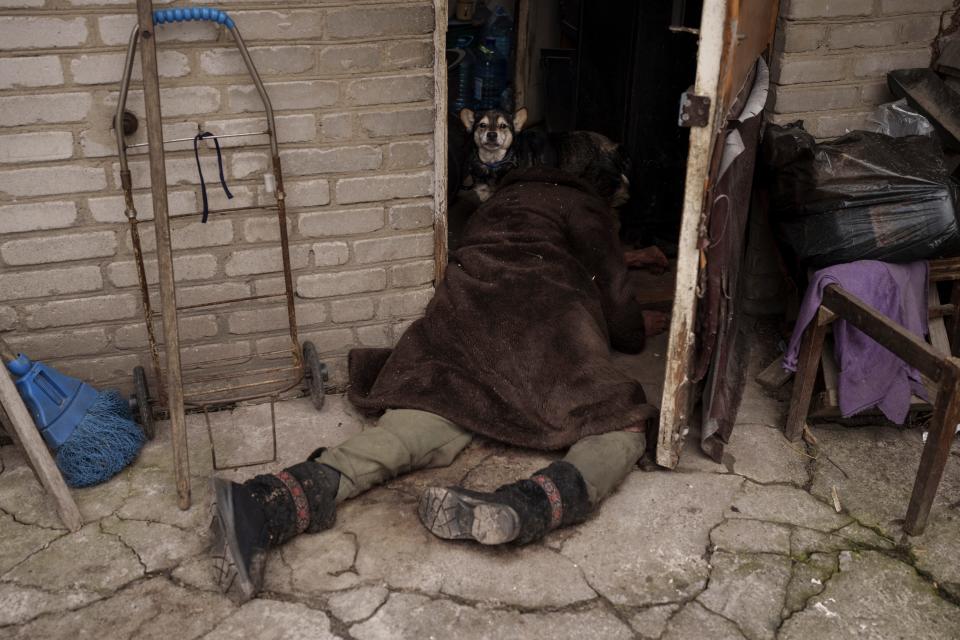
694	110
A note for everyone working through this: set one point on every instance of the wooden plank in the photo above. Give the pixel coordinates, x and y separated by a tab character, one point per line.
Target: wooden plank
885	331
522	62
941	310
955	320
936	450
831	375
822	411
676	406
43	465
810	349
774	376
440	240
937	327
944	269
168	299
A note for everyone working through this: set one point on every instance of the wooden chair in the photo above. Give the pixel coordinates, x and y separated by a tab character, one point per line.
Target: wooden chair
935	362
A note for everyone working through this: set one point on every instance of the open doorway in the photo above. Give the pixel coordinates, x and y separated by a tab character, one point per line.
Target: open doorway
614	67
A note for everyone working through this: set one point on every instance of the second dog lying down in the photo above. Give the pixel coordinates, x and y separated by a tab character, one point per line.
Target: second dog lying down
501	145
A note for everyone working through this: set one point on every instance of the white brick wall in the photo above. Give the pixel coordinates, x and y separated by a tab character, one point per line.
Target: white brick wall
352	87
832	56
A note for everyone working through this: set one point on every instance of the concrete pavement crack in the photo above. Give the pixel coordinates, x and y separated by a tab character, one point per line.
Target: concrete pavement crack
806	603
356	553
376	609
468	472
666	625
942	593
488	605
315	603
120	539
148	521
812	495
136	632
598	595
99	598
44	547
684	603
725	617
60	612
708	556
16	519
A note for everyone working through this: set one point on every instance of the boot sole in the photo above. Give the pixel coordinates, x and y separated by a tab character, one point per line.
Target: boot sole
452	515
248	581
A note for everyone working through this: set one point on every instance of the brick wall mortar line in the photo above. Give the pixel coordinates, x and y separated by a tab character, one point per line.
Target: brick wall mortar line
75	11
798	56
207	45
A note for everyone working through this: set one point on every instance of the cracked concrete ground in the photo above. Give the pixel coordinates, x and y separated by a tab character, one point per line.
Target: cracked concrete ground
751	548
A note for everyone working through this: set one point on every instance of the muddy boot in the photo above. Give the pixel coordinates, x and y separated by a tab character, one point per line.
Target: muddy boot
265	512
520	512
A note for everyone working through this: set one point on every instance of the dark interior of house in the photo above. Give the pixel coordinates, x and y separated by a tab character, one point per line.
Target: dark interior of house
615	67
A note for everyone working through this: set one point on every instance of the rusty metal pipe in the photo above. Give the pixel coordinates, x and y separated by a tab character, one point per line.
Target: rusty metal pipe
126	184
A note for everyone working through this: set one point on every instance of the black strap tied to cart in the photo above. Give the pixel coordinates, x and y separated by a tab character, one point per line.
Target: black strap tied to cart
203	185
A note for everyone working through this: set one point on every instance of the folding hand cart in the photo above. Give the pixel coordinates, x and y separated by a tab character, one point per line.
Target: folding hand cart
212	384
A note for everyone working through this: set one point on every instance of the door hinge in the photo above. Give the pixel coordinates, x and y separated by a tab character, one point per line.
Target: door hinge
694	110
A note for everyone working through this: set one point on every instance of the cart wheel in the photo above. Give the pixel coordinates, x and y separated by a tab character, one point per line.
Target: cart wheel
140	402
316	374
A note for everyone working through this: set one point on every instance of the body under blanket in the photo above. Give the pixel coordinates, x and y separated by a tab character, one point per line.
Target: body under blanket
515	344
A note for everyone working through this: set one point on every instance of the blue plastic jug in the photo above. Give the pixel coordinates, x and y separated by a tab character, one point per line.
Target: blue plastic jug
490	77
501	30
56	402
463	77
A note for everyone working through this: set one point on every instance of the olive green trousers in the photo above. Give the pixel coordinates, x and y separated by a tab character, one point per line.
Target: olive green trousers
405	440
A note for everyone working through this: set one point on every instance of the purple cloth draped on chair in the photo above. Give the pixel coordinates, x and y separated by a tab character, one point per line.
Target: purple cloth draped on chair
870	375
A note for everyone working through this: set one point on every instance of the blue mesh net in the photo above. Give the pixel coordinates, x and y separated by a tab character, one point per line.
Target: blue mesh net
111	402
103	444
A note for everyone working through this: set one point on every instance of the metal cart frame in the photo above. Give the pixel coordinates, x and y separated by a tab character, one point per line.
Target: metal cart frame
208	395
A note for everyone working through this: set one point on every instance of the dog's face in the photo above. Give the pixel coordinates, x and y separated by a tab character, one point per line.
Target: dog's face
493	131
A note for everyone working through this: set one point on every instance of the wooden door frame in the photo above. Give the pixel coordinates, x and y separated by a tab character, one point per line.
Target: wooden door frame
440	250
677	385
440	106
733	34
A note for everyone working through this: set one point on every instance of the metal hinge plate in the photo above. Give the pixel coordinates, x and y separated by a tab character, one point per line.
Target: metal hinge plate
694	110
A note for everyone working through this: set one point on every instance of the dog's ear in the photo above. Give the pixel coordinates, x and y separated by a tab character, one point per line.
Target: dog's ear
519	119
467	117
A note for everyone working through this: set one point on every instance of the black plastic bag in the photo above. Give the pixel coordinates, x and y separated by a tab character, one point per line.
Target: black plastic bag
863	196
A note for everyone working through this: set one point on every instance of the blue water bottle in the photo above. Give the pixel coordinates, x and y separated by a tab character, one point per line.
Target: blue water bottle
463	76
501	30
491	76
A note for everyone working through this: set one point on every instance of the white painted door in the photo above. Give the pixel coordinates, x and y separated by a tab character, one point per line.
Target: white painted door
733	34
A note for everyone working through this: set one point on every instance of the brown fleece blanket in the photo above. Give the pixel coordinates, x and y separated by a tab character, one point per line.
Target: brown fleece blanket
515	344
